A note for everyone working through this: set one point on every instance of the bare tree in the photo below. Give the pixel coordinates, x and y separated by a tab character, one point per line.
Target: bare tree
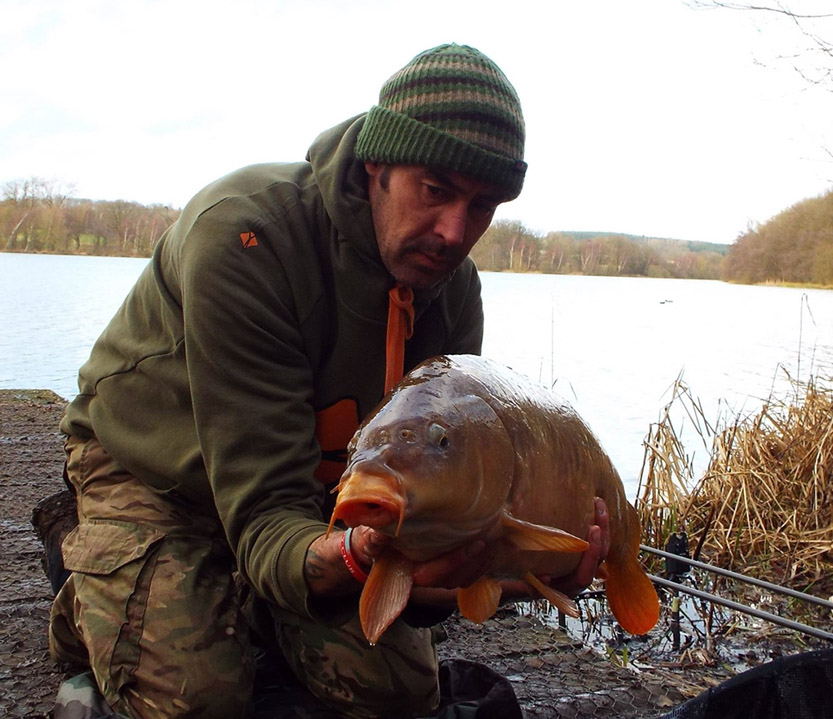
814	62
20	198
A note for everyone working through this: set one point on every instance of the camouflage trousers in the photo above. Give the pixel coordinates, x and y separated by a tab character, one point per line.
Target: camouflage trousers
152	608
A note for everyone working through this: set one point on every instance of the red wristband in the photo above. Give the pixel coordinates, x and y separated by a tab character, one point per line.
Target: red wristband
347	555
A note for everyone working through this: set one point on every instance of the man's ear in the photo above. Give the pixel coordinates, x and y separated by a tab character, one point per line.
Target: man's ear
373	168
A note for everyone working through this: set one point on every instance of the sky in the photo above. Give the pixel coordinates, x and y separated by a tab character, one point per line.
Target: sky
647	117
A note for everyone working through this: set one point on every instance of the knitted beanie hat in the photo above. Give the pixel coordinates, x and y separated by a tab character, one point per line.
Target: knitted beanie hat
452	108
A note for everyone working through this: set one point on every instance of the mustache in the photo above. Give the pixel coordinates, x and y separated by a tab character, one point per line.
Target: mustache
432	247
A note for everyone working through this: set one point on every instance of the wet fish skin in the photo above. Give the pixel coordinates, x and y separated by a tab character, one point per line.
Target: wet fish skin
464	448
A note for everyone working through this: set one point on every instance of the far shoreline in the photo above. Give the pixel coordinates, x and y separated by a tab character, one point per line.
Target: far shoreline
769	283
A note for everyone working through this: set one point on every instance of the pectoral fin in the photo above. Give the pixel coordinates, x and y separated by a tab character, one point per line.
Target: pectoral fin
539	538
553	596
479	601
385	594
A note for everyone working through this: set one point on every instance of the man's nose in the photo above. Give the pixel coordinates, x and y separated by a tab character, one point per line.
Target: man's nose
451	225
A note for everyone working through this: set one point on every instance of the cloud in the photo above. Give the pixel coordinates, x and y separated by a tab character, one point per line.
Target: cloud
644	117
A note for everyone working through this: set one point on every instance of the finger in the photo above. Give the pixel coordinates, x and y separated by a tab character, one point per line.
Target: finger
582	576
444	570
517	590
458	568
586	570
366	544
603	522
434	597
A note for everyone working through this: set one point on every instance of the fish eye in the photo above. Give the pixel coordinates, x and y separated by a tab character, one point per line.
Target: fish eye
438	435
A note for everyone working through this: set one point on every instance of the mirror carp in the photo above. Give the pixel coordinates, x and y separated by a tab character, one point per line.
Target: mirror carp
464	448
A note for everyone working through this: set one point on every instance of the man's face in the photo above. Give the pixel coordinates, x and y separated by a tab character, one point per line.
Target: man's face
427	221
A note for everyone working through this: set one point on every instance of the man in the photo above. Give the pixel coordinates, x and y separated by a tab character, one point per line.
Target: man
215	408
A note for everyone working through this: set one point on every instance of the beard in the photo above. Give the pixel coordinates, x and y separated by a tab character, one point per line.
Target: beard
424	262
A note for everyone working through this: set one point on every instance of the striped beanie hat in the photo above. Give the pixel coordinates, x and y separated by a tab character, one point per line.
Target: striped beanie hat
451	108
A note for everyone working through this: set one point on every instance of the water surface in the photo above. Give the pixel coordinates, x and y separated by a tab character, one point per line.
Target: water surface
611	346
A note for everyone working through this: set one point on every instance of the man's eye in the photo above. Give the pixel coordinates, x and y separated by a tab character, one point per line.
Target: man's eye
484	208
435	191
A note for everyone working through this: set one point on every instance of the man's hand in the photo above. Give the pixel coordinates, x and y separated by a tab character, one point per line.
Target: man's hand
436	580
599	539
327	574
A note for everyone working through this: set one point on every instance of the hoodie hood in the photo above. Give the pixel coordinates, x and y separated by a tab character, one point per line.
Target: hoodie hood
342	181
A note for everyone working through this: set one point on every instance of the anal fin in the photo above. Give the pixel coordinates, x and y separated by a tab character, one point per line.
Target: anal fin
553	596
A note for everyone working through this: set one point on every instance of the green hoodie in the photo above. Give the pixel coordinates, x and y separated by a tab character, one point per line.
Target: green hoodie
263	306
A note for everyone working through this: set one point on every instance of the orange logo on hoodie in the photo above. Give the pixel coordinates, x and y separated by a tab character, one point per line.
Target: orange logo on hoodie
248	239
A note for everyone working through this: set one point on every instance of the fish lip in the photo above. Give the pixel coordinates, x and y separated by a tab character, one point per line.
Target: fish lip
370	499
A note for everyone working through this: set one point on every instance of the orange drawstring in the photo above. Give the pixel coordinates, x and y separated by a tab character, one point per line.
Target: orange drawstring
400	328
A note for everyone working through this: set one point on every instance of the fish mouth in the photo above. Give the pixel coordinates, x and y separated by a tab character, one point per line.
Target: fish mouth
370	500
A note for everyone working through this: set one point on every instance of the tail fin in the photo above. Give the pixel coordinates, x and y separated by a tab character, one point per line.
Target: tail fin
633	599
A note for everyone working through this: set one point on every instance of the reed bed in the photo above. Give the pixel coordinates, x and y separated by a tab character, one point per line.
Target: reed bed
764	506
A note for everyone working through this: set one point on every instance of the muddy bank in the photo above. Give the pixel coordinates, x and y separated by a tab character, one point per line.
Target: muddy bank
31	462
553	675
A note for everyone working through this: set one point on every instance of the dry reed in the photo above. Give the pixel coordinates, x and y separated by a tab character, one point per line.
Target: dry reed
764	505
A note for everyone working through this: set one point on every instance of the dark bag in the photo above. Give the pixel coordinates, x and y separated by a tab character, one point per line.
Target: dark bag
795	687
469	690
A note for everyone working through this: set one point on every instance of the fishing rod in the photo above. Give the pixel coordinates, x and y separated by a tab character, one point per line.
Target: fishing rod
740	577
736	606
760	614
728	603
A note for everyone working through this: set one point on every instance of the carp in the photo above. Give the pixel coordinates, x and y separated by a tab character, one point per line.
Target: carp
464	448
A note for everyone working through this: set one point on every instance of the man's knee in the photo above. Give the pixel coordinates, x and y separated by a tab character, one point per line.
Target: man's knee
81	698
396	678
169	673
159	619
200	695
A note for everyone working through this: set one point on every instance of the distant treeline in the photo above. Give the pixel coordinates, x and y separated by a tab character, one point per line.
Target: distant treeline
795	246
509	246
38	216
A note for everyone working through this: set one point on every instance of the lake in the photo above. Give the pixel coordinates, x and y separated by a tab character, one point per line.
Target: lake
612	346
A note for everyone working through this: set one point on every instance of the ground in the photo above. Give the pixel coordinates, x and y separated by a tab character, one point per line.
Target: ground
552	674
30	469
